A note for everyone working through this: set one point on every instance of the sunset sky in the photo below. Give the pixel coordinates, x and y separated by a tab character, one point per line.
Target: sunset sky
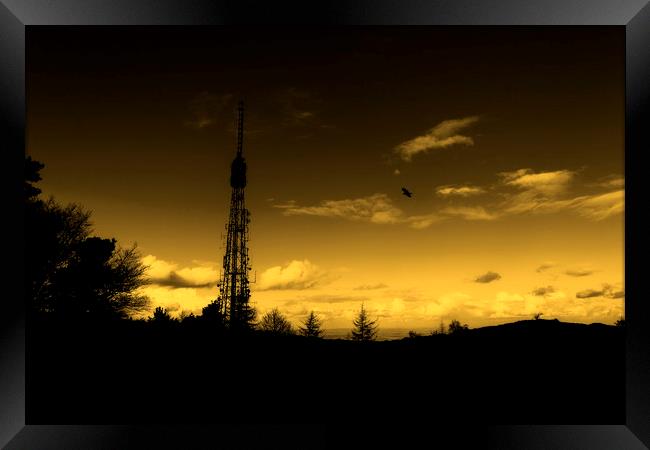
511	139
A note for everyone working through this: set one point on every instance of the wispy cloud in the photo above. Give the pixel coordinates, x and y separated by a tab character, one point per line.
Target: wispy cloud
546	193
547	183
294	275
611	181
461	191
469	212
326	298
207	109
423	221
368	287
443	135
376	208
519	192
599	207
487	277
299	107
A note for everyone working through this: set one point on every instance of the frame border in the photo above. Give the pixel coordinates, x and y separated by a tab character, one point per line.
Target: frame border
16	15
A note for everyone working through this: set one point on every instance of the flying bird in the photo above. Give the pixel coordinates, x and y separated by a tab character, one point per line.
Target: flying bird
406	192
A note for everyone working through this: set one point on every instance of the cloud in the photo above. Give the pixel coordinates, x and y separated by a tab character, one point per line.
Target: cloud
508	306
543	291
545	192
548	183
376	208
469	212
423	221
588	293
295	275
607	291
599	207
367	287
487	277
581	272
545	266
167	274
178	300
173	307
208	109
462	191
326	298
443	135
298	108
612	181
535	193
595	207
175	281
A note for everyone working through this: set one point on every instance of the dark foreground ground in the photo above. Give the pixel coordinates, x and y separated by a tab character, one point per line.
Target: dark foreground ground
528	372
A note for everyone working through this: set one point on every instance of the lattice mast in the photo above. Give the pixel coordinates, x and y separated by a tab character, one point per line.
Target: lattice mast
234	291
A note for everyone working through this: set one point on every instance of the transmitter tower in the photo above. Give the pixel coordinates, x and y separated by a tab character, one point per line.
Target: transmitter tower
234	291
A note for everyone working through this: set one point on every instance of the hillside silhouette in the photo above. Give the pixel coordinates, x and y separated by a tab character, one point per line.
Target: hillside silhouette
537	371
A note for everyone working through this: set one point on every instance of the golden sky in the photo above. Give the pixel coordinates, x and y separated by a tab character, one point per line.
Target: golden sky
511	140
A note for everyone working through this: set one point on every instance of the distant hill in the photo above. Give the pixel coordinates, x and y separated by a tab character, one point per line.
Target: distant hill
525	327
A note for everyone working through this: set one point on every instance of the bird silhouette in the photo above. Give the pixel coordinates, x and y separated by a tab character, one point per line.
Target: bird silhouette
406	192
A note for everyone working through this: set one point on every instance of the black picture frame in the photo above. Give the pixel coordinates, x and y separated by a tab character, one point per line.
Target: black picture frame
633	15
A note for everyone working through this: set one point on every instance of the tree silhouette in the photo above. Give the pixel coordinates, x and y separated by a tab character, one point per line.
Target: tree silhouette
212	314
186	317
440	330
68	272
364	328
312	326
247	317
274	322
161	315
99	279
32	175
455	327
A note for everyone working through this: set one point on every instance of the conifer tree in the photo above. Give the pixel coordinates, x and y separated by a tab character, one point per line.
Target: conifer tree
312	326
364	328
